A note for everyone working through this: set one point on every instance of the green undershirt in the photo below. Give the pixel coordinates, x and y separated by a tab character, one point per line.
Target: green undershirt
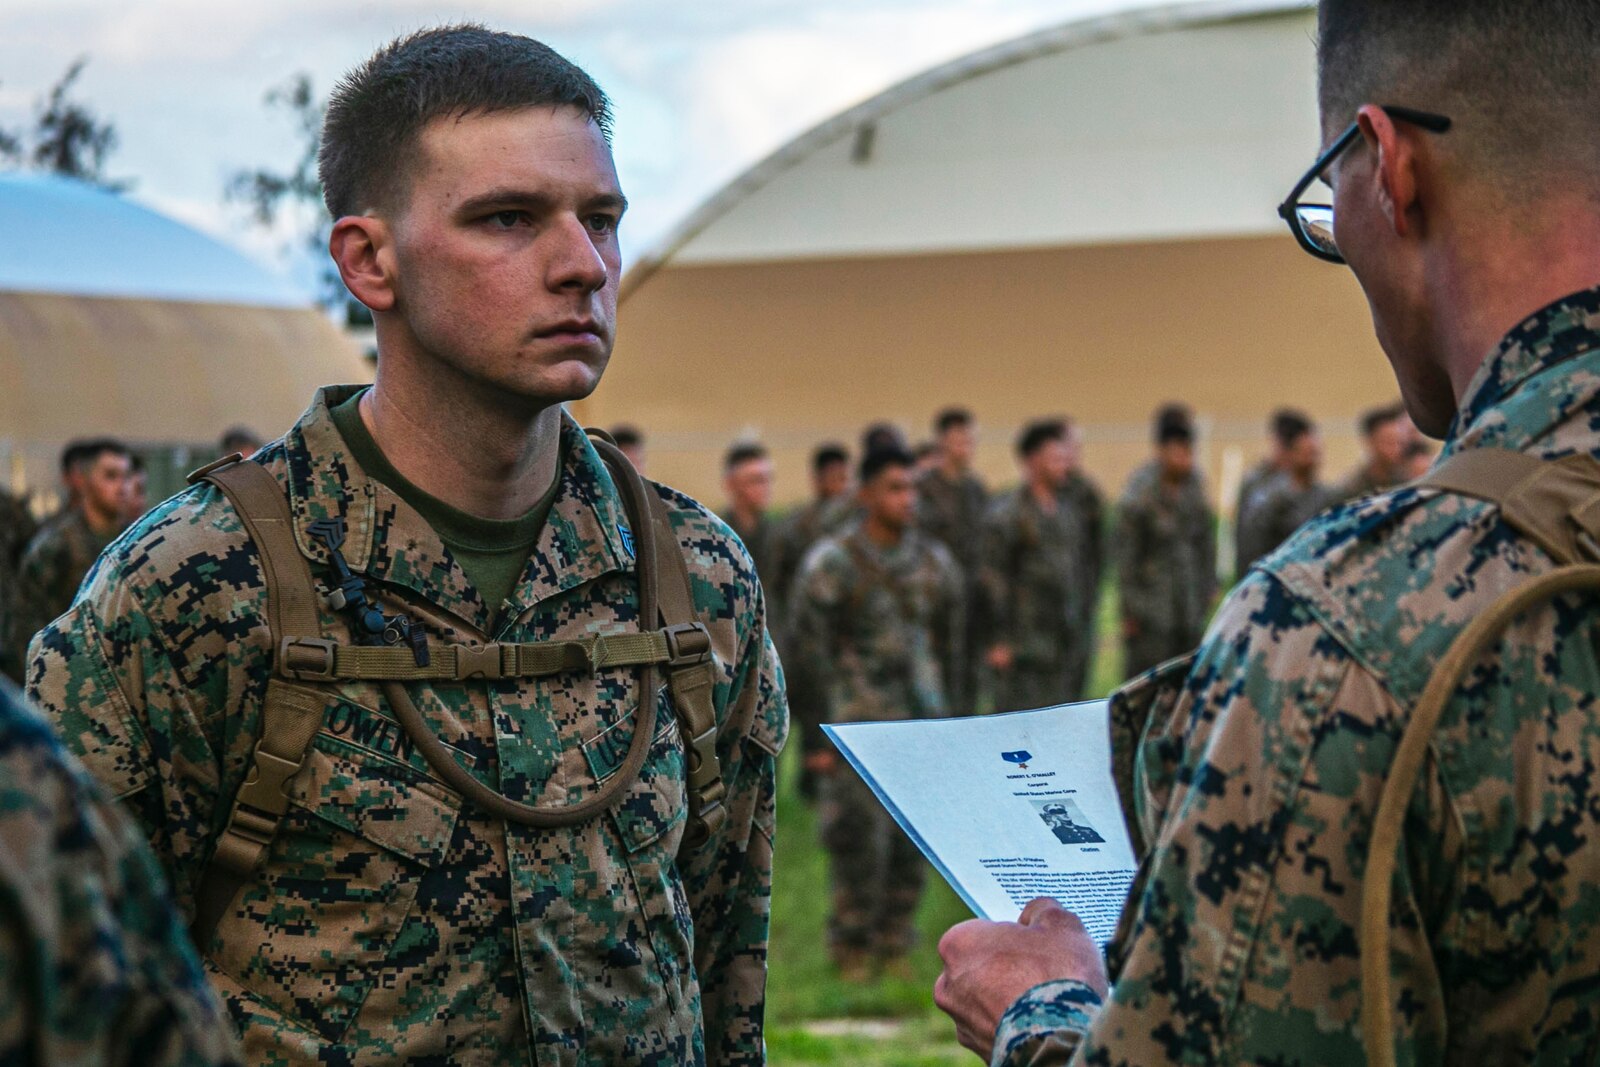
492	553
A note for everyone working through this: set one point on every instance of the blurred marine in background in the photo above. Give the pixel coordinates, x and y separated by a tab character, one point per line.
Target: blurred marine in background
1284	501
1086	506
879	612
828	511
1032	577
951	502
1166	549
66	546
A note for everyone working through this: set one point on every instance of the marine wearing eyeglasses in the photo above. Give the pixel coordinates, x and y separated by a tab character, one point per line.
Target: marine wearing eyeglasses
1462	145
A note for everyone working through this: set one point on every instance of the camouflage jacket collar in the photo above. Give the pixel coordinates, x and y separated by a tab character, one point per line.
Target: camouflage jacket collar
585	537
1489	418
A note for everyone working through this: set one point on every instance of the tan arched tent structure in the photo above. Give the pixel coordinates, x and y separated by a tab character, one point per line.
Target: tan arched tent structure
1081	221
115	320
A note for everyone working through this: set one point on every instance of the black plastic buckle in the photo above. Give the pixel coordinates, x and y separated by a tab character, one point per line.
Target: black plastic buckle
688	645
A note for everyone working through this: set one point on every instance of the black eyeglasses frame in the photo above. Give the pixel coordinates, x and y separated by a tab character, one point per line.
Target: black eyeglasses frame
1289	210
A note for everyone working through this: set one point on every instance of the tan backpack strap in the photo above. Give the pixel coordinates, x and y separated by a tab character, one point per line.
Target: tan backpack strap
1553	503
316	660
691	678
1377	1003
441	758
291	715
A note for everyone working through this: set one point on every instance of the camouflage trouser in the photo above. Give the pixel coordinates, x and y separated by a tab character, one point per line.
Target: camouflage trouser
1080	663
1032	685
877	873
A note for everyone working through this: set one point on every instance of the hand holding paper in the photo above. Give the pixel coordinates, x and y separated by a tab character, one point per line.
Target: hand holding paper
988	965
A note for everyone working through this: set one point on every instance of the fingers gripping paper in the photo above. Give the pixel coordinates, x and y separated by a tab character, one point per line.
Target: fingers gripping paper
1007	807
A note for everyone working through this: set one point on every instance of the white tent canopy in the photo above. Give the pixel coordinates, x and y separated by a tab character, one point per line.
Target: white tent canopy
118	321
1169	122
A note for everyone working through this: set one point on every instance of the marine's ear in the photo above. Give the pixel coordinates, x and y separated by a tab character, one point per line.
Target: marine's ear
363	250
1396	169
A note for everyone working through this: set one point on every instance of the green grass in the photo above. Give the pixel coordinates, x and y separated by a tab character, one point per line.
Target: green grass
803	996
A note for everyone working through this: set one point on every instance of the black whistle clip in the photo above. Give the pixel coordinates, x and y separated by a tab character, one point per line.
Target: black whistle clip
372	627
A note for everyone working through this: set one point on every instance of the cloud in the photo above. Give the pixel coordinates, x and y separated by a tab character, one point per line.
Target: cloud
702	90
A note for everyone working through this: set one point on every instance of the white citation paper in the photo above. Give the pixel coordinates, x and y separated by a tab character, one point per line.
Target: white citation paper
1007	807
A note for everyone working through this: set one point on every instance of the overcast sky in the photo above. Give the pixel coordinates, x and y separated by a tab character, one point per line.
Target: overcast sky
702	88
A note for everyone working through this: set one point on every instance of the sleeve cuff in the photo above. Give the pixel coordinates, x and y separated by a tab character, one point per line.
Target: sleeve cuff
1039	1014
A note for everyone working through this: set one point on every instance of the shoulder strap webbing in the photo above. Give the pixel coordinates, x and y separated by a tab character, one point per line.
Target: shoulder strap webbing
291	715
692	682
1553	503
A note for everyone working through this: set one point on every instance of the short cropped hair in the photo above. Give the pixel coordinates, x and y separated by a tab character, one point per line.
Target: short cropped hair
1288	426
1174	424
627	436
879	460
828	455
1377	418
1518	77
881	435
952	419
1039	433
377	111
239	439
82	454
741	454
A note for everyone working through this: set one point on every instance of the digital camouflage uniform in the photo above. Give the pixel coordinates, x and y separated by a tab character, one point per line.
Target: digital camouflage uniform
390	922
1166	567
50	572
1088	508
1276	510
761	541
952	513
1034	587
95	968
1361	482
796	535
1261	766
878	624
1256	477
17	528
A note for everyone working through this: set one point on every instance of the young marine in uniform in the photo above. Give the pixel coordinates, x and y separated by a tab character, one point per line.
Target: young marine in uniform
1033	553
1166	550
878	617
391	720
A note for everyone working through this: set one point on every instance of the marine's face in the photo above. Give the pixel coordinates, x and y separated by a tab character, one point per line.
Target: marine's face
103	483
833	481
1304	457
891	497
1388	443
506	258
960	444
135	496
1051	463
1176	459
749	484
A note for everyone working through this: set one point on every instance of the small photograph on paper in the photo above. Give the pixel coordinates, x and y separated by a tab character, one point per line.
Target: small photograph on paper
1066	821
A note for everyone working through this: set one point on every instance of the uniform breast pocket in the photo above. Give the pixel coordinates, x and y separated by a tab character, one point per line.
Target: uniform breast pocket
653	807
311	931
649	821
